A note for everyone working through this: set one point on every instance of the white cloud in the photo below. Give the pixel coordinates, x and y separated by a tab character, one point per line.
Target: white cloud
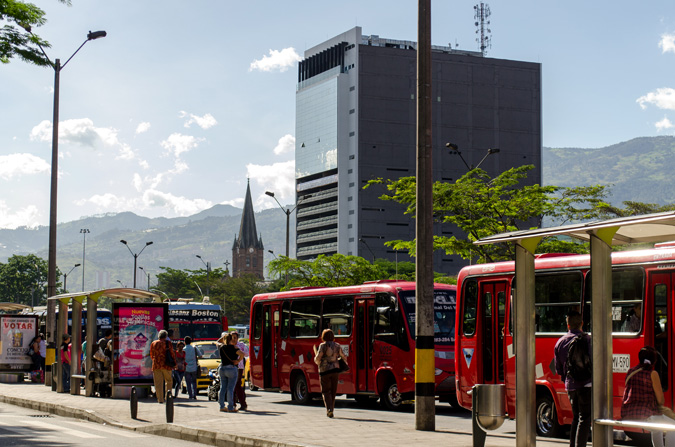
277	177
286	144
106	202
180	205
178	143
276	60
25	217
663	98
142	127
239	202
21	164
663	124
667	43
205	122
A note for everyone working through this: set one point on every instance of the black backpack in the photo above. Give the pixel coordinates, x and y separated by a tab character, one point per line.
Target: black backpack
578	364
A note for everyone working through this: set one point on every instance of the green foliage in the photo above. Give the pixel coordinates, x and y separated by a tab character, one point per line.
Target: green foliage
23	280
634	209
15	40
482	206
326	271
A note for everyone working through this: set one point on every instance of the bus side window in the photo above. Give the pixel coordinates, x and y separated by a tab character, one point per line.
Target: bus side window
470	307
257	321
337	315
556	294
285	318
660	338
305	318
384	314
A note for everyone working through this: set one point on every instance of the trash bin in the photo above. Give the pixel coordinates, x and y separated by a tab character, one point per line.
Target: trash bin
489	405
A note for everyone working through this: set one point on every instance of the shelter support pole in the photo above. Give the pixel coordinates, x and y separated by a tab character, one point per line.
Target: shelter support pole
601	332
51	341
525	361
76	340
92	344
61	328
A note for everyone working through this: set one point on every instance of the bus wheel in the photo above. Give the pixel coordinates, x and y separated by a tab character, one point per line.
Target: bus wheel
547	419
391	398
300	390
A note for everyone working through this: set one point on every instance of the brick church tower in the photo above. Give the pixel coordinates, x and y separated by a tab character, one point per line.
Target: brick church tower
248	249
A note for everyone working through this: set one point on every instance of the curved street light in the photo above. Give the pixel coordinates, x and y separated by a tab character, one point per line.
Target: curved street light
56	65
454	148
135	255
147	273
84	232
288	212
207	264
65	277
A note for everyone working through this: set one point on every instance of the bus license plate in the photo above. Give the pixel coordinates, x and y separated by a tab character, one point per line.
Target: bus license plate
620	363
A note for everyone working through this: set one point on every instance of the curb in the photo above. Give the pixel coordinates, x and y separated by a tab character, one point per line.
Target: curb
174	431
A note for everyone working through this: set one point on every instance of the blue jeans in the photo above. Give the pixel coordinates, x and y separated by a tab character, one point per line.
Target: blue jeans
65	374
177	381
191	383
228	380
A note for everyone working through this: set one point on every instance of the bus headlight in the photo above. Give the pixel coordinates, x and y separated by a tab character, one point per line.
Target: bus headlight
438	371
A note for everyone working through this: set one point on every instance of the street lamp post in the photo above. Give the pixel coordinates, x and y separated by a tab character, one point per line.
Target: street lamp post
147	273
288	212
454	148
65	278
56	65
275	256
208	274
368	247
135	255
84	232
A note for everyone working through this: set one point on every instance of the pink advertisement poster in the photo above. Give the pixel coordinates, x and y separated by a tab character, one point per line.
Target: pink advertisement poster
135	328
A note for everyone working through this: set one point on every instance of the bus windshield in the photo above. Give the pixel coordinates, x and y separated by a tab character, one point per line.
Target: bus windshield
444	314
199	321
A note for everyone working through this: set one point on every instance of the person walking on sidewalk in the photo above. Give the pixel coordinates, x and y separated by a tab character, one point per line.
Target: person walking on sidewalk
179	372
240	393
65	362
230	356
326	357
163	362
190	368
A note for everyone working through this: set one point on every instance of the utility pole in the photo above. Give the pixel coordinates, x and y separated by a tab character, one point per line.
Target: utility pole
425	383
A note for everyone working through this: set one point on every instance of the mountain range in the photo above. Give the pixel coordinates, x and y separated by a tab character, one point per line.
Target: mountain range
636	170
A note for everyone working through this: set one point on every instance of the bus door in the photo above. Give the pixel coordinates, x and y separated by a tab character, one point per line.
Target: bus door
658	317
363	344
492	310
269	345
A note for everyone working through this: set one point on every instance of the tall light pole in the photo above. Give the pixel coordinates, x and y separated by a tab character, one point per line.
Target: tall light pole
65	278
455	149
147	273
83	232
208	274
368	247
288	212
275	257
56	65
135	255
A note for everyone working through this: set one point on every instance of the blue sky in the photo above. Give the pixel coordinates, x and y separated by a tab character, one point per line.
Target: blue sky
183	101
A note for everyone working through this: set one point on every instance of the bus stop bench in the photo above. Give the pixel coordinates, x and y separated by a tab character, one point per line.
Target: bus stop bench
649	426
78	376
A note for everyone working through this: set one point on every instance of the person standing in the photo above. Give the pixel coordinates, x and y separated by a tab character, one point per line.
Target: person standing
240	393
191	367
65	362
326	357
579	392
643	396
161	370
230	356
179	371
38	360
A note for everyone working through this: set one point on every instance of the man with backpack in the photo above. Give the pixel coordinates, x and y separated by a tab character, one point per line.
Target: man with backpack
572	355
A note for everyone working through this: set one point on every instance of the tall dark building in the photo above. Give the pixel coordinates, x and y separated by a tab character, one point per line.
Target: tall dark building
248	249
356	121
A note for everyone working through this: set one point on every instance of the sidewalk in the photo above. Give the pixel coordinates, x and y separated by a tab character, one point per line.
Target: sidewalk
270	424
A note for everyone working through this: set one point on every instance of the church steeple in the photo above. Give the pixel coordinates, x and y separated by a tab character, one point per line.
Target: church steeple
248	249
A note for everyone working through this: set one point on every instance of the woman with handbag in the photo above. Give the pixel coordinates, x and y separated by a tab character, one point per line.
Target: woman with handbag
230	356
179	371
328	357
643	398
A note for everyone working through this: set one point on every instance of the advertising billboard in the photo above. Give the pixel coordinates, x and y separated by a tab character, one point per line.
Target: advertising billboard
135	327
16	333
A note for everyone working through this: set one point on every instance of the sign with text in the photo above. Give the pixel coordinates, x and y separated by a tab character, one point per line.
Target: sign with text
16	333
135	327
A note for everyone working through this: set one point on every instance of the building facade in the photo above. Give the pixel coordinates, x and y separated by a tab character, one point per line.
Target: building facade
248	249
356	121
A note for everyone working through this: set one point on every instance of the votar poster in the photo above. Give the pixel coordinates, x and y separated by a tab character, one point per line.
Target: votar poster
16	333
135	327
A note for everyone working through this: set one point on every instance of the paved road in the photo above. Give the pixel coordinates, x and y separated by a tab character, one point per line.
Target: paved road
25	427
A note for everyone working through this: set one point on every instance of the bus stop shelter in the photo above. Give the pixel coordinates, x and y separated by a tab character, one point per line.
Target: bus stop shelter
76	300
602	235
12	307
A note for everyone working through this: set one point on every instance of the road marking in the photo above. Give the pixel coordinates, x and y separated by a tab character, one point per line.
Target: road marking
118	431
64	430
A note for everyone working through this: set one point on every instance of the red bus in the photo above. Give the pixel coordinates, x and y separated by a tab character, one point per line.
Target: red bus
643	297
375	325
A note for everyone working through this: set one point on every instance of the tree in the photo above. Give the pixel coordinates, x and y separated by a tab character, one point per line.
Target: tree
327	271
16	40
176	283
23	279
482	206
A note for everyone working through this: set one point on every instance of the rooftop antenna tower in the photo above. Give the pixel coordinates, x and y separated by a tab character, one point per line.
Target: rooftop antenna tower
482	17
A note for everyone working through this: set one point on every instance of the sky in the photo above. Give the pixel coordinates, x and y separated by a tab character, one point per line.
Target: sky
183	102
